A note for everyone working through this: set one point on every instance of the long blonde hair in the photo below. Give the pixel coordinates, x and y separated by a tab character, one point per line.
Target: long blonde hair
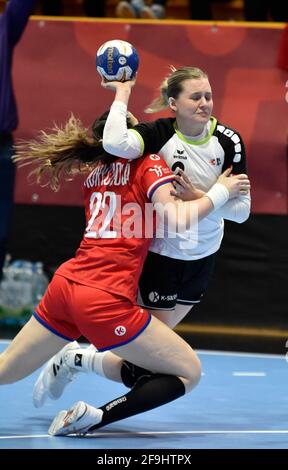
172	86
65	152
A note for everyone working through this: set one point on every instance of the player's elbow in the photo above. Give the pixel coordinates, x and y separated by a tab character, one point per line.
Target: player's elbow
111	147
243	211
242	218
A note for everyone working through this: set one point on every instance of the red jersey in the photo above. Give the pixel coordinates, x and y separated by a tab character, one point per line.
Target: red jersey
119	224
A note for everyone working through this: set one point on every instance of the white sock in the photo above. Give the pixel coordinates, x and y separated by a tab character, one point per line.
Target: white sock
86	360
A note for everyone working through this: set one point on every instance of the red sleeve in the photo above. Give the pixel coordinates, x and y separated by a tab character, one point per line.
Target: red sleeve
154	172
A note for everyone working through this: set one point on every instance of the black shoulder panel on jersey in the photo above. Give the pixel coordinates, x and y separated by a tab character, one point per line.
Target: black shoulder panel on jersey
233	146
155	134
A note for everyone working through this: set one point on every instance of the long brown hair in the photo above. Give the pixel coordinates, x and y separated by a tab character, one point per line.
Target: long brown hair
64	152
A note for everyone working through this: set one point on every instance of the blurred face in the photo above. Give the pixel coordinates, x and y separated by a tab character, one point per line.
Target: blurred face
194	104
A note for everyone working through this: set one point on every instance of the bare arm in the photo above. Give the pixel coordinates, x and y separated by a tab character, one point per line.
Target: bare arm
182	214
178	214
236	209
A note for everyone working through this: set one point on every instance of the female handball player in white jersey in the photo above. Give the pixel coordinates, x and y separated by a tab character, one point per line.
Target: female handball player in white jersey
178	267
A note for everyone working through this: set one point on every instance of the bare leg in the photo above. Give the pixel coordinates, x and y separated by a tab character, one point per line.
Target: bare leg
160	350
175	370
172	317
112	363
32	346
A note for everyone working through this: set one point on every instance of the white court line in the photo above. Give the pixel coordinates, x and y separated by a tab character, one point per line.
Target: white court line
28	436
249	374
241	354
149	433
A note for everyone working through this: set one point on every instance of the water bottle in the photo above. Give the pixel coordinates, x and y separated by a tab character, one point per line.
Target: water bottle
16	293
39	284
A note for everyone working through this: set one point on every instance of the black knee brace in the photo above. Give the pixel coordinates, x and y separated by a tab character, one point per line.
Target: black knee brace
130	374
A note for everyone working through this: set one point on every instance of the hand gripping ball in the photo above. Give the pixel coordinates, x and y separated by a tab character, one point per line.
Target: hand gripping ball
117	60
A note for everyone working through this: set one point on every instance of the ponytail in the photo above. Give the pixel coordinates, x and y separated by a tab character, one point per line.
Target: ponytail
65	152
161	102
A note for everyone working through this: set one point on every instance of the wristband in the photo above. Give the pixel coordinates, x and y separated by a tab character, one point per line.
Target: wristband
218	194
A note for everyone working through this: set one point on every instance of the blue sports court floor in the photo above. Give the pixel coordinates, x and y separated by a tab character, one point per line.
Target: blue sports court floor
241	403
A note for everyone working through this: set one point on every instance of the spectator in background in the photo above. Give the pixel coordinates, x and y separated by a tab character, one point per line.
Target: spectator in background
139	9
260	10
12	24
91	7
157	10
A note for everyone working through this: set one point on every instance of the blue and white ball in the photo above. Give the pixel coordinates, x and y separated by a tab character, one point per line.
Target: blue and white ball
117	60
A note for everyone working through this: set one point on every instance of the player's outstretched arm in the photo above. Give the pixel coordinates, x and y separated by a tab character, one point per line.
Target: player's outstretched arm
117	139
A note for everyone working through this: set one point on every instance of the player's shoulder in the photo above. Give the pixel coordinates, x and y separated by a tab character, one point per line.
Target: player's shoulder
152	163
162	124
226	133
149	159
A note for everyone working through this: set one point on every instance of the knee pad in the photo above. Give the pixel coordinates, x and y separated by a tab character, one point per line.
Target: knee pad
130	374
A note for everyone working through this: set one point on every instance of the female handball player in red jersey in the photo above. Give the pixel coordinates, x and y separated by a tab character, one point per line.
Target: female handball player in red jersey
94	293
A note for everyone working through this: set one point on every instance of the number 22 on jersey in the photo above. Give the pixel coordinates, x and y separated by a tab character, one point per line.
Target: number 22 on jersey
102	208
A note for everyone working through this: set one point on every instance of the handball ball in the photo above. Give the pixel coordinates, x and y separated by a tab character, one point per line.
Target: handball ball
117	60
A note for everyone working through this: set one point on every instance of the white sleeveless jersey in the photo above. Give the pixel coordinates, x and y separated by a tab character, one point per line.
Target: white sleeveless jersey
203	161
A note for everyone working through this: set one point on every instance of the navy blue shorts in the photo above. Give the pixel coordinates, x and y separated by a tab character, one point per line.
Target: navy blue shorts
165	282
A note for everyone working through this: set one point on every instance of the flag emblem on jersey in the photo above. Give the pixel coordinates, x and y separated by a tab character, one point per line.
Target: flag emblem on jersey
215	161
120	330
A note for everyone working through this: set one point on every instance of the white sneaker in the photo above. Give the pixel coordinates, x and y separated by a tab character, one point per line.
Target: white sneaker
77	420
55	376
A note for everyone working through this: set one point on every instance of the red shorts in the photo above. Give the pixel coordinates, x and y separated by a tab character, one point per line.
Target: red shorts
108	321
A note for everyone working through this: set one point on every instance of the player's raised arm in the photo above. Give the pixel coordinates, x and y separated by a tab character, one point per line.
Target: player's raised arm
117	63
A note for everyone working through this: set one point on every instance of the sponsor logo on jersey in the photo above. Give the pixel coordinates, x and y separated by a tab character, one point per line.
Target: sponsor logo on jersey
215	161
169	297
158	170
154	157
180	155
120	330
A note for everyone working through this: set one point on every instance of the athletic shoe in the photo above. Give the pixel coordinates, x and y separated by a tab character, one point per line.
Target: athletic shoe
77	420
55	376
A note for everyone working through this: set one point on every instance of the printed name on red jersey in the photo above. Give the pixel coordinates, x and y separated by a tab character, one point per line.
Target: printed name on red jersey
116	173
